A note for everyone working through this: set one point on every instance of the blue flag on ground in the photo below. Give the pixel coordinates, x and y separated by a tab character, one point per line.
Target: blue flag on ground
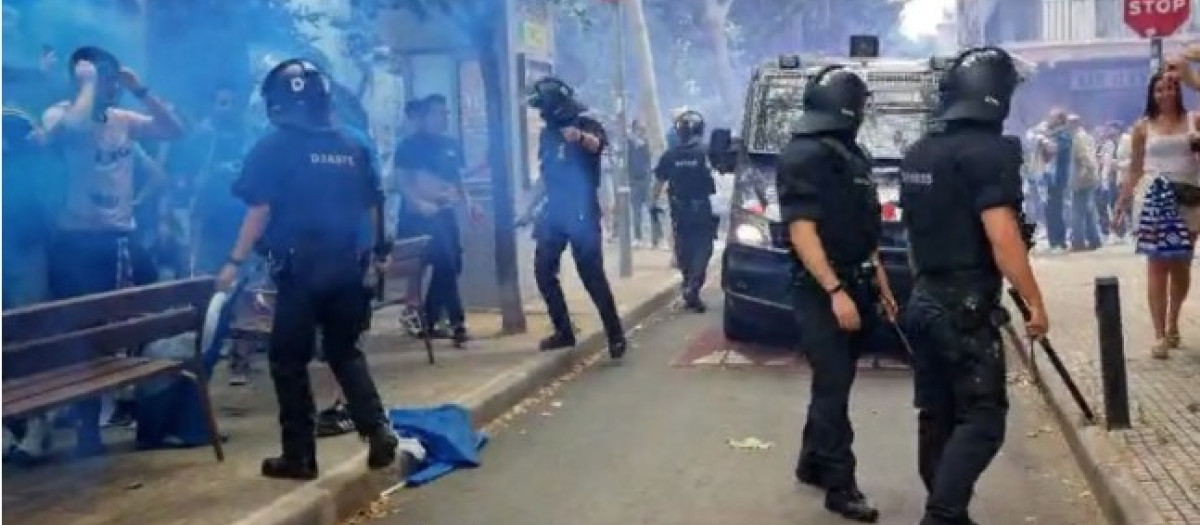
446	433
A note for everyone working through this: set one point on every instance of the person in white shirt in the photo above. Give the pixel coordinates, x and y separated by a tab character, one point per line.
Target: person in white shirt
1106	195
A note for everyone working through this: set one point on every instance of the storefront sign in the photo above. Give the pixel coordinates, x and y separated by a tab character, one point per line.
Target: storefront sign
1108	79
535	38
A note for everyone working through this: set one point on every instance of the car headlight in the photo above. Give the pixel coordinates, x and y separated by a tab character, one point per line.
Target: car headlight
751	234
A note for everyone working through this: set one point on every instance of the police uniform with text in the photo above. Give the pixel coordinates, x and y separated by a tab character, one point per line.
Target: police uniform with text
685	171
825	178
320	187
570	215
949	178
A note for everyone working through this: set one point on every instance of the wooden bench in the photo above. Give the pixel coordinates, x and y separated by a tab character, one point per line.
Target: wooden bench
60	352
404	285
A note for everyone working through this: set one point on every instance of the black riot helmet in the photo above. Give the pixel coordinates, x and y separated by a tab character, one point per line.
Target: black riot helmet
979	86
689	126
297	93
555	100
834	100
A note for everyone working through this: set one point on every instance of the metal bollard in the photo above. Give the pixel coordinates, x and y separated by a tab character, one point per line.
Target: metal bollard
1112	353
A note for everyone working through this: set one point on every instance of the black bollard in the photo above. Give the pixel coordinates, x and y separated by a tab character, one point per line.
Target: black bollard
1112	353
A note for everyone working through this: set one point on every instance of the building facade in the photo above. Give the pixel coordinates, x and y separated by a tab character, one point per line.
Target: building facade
1088	61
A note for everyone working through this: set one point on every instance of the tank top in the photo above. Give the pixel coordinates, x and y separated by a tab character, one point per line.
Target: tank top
1171	157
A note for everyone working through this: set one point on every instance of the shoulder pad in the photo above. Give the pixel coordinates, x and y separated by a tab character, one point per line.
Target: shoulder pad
845	154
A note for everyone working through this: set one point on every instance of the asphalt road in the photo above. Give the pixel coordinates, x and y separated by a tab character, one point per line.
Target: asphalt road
646	442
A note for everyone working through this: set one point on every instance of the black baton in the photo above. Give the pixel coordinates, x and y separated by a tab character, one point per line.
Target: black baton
1055	360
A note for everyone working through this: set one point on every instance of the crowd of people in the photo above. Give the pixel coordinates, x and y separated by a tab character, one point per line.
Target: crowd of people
100	194
1071	181
1122	183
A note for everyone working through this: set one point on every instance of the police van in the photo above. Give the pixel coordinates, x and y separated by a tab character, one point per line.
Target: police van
756	264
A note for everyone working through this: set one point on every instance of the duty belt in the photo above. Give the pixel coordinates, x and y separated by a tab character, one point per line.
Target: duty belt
849	274
958	276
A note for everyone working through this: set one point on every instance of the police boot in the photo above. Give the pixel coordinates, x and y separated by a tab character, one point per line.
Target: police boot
459	336
381	450
692	302
929	520
810	474
284	467
617	347
851	504
556	341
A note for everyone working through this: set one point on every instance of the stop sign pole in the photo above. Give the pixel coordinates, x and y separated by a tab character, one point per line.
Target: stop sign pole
1156	19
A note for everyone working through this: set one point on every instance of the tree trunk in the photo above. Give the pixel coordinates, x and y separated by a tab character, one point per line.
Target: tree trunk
651	114
512	312
716	14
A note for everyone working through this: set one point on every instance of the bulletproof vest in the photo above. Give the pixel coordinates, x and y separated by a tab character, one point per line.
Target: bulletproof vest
855	166
690	176
946	234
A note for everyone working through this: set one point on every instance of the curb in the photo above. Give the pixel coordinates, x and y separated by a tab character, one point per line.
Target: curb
1098	458
350	487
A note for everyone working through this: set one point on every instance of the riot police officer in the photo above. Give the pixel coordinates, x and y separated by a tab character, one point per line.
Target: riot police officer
311	190
832	211
683	170
567	211
961	194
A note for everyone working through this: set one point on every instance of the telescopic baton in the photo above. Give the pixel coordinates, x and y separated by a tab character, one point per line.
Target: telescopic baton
1054	360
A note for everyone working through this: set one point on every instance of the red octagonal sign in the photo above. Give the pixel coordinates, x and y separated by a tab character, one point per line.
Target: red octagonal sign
1156	18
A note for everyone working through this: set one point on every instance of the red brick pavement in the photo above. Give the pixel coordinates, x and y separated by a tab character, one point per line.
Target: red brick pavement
1162	451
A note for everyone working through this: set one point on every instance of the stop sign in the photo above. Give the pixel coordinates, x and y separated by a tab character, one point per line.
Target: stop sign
1156	18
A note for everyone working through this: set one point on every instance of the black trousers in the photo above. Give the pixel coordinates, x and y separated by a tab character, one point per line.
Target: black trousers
445	260
833	355
90	262
695	228
1056	225
959	379
583	235
639	204
341	313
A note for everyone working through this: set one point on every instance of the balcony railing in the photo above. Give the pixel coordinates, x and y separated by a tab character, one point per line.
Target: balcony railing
1064	21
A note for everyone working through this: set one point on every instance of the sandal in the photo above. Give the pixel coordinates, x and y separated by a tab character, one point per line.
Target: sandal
1159	350
1172	340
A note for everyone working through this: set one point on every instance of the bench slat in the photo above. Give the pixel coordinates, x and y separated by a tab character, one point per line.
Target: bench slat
46	319
63	377
91	386
85	345
21	382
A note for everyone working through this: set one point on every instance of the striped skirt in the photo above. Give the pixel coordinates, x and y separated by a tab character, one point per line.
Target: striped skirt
1161	230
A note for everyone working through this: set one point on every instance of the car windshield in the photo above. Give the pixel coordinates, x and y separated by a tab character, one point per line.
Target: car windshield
886	132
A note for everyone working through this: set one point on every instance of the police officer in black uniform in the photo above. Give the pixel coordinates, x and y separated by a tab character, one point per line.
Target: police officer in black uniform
832	211
566	211
684	170
961	195
311	191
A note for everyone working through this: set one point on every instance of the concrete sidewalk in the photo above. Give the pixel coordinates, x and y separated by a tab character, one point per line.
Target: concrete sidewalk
179	487
1150	474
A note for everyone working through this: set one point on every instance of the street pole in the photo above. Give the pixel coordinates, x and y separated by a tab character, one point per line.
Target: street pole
621	171
1156	54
